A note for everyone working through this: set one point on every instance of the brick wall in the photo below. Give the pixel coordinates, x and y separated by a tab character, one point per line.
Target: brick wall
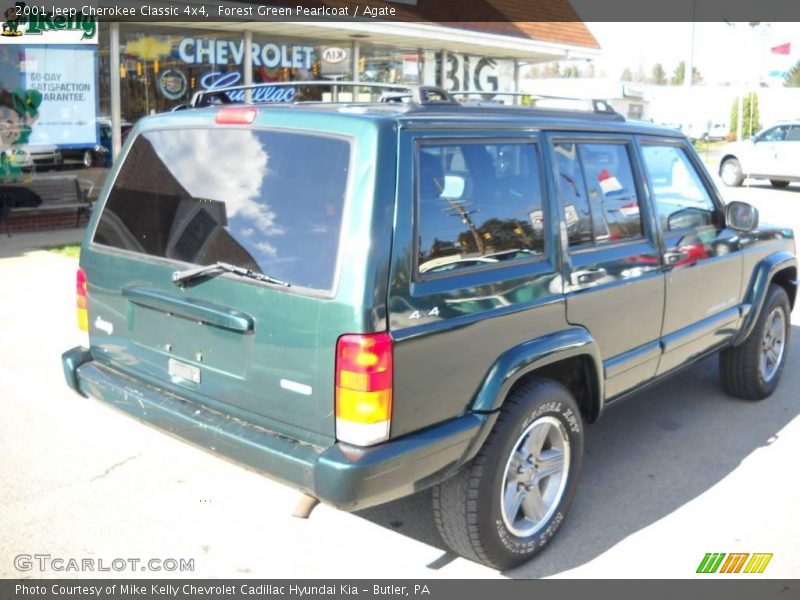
51	219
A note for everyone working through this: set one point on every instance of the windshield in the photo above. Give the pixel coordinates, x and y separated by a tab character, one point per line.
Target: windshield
269	201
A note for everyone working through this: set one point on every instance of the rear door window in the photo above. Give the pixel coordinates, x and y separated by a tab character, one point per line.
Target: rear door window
597	190
244	197
479	204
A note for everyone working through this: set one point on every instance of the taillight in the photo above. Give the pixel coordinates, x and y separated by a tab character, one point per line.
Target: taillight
363	388
239	115
83	317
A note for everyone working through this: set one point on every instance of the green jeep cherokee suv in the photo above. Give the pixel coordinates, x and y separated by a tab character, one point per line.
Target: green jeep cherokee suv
367	299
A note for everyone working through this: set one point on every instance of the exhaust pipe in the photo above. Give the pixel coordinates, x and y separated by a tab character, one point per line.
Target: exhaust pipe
304	506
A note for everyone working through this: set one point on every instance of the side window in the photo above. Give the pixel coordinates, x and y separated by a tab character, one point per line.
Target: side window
682	201
478	204
794	134
598	193
775	134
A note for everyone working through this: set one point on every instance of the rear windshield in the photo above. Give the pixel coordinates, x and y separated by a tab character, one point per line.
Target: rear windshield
270	201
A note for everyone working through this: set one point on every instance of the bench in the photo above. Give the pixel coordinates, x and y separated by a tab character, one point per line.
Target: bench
44	194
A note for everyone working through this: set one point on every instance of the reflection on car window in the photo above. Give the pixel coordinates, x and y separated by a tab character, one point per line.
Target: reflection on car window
237	196
681	199
597	190
572	192
479	204
612	193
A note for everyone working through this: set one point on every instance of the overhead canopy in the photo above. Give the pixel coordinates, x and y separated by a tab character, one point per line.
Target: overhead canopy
502	40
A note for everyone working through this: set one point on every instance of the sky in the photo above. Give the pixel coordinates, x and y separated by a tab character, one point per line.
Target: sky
723	53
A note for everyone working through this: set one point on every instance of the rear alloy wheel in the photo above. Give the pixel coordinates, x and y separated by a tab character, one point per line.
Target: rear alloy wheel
778	183
88	159
752	369
535	476
731	173
506	505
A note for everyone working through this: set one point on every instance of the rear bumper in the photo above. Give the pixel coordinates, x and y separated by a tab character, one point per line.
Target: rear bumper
344	476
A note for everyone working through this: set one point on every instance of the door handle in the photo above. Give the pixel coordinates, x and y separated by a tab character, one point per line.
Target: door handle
673	257
586	276
190	308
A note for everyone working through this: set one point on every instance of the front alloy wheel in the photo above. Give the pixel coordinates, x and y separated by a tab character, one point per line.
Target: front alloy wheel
752	369
773	343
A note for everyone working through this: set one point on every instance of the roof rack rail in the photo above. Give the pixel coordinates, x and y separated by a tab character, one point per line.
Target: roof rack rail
238	94
598	105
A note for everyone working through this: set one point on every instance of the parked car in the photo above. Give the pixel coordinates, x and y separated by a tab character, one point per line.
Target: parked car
716	132
40	156
707	131
773	154
95	156
99	155
367	301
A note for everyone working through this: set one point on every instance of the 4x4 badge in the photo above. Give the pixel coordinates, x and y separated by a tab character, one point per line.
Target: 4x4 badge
434	312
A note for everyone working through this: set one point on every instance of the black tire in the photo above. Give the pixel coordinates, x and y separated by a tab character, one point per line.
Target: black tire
740	366
467	507
731	172
777	183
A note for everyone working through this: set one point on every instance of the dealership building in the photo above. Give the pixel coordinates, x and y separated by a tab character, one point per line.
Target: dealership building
61	78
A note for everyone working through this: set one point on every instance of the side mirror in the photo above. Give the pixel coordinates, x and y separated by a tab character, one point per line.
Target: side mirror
741	216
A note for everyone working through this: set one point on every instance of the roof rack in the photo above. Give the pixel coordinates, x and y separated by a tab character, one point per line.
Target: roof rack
248	94
598	105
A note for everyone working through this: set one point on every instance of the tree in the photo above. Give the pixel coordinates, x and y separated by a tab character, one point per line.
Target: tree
659	76
627	75
570	72
793	76
550	70
750	116
680	73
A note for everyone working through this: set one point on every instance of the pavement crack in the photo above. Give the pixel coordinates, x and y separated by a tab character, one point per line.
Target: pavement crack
114	466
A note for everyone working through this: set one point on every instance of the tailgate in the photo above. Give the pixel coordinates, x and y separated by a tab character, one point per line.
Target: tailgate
241	196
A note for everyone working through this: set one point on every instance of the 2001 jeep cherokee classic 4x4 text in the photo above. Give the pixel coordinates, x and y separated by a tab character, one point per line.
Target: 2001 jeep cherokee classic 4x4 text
364	300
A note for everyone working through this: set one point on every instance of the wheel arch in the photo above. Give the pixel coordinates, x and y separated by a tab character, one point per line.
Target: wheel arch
779	268
727	157
570	356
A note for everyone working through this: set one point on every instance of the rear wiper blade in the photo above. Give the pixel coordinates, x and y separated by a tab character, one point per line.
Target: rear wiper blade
180	277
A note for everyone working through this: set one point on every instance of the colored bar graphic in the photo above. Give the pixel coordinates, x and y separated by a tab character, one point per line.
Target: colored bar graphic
712	560
734	562
740	564
701	567
717	562
758	563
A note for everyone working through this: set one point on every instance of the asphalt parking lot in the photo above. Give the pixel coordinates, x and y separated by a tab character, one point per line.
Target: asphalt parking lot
677	472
